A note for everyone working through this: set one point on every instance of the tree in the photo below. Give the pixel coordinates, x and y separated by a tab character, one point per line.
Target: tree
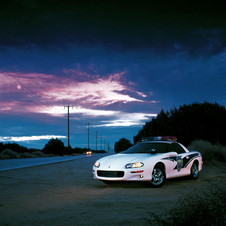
2	147
14	147
189	122
122	145
54	146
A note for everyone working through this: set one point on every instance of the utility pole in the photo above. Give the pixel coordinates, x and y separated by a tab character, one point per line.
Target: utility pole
96	140
101	143
88	124
68	123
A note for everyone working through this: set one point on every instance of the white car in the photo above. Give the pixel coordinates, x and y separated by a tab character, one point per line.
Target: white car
152	161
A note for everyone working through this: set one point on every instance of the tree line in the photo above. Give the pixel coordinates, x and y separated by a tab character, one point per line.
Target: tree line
203	121
54	146
197	121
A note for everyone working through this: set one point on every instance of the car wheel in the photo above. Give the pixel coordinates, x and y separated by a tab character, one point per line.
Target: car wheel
158	177
194	171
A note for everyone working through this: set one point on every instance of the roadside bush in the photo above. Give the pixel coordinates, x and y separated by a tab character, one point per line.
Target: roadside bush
9	154
206	209
14	147
100	151
54	146
78	150
35	154
2	147
188	122
68	150
209	151
122	145
38	154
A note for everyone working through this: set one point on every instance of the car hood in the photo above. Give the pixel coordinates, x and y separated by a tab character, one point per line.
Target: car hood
120	160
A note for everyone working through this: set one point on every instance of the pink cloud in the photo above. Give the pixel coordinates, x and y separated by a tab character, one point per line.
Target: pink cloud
41	89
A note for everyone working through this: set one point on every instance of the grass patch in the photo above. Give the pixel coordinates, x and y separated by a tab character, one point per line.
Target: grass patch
210	152
205	209
9	154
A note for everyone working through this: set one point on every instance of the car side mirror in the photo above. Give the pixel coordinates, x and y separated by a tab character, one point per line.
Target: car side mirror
153	151
172	153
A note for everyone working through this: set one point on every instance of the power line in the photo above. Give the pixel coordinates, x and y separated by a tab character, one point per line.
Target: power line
77	114
16	81
13	90
19	82
11	77
21	68
22	85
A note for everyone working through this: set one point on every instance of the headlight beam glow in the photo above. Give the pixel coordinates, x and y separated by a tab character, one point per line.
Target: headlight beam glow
134	165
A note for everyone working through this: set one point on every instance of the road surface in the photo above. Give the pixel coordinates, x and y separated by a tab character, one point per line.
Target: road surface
8	164
65	193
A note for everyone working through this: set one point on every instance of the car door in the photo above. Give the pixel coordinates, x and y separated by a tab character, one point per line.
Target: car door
178	161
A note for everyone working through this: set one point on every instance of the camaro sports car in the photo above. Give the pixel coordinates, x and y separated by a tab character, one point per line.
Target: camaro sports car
152	161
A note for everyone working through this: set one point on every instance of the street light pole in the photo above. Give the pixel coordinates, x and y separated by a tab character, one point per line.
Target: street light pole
68	124
101	143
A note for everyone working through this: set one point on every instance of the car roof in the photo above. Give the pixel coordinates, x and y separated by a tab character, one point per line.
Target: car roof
162	142
160	138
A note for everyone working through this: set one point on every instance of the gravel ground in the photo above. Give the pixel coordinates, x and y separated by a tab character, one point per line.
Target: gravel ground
66	194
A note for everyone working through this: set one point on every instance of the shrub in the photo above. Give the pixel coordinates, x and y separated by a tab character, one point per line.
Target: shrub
9	154
38	154
206	209
35	154
54	146
122	145
68	150
78	150
100	151
13	146
209	151
188	122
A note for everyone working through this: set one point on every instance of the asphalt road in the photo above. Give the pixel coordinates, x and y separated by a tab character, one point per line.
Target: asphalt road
65	193
9	164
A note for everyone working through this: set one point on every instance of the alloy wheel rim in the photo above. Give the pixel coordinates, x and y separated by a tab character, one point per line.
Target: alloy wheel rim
157	177
195	170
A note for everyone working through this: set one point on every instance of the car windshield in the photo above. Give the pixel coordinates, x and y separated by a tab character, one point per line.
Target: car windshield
146	147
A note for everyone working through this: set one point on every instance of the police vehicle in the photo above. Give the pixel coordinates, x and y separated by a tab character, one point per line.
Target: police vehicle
152	161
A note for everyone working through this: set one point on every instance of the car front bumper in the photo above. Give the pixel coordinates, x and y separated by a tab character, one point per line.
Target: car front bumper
122	175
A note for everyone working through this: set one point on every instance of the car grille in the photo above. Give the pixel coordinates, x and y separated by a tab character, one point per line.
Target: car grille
102	173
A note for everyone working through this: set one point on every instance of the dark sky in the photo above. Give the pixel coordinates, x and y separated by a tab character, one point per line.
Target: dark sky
118	63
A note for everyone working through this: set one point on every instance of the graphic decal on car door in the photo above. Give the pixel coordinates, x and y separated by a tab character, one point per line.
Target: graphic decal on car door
179	163
182	161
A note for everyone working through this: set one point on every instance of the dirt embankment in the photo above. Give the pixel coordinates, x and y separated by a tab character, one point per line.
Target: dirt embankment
66	194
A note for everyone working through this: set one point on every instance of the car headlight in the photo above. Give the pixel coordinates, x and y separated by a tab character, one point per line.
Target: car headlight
97	164
134	165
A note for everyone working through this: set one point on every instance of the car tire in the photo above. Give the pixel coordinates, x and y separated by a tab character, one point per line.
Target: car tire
158	177
194	171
